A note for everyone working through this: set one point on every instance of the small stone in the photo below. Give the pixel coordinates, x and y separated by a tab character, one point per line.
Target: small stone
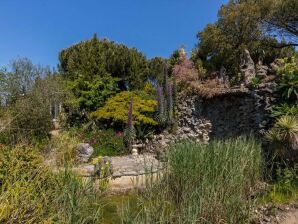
84	152
134	152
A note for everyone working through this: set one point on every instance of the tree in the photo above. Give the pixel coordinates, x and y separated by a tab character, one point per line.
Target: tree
28	93
280	17
100	58
184	71
239	27
156	69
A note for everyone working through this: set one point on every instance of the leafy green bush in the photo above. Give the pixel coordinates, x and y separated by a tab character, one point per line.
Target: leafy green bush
105	142
284	189
31	193
289	78
92	93
203	184
116	109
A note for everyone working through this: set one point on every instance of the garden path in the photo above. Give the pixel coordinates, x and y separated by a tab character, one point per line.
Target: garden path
291	218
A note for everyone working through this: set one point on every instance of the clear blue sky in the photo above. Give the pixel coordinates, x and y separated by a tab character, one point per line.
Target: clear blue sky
39	29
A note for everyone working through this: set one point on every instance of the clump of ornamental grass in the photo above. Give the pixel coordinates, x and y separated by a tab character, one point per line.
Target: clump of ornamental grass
32	193
63	148
203	184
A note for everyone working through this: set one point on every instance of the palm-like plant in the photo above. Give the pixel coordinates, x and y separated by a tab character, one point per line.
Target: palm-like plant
284	134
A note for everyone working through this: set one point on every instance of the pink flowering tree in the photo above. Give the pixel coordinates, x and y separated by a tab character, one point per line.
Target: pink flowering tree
184	71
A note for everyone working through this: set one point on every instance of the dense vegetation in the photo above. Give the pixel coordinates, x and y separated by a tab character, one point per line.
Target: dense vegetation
204	183
111	96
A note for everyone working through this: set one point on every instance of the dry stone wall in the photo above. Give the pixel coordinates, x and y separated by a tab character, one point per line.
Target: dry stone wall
232	113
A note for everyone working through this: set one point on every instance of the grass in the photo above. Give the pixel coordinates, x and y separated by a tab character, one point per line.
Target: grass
31	193
203	184
284	188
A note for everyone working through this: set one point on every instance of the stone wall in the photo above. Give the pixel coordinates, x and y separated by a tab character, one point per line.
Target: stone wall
231	113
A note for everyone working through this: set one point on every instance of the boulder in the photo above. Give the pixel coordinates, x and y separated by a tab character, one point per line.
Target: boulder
84	152
247	68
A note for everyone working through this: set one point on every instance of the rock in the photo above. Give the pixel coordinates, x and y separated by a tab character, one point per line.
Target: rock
84	152
262	70
134	152
247	68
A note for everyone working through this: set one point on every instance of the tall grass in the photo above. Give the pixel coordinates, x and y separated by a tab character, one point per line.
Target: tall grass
203	184
31	193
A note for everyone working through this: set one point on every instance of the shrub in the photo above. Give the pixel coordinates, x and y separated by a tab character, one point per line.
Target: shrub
105	142
285	110
92	93
64	147
32	193
289	78
116	109
284	134
204	184
285	187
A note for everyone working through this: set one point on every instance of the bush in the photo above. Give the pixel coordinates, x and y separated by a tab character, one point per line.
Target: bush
32	193
116	109
285	187
64	148
204	184
105	142
285	110
289	78
284	135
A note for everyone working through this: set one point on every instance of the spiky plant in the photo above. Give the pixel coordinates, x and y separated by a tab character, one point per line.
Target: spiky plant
129	132
284	134
170	103
161	116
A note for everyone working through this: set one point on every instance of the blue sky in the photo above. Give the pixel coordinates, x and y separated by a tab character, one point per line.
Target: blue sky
39	29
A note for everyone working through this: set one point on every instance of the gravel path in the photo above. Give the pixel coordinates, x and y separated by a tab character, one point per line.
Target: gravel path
291	218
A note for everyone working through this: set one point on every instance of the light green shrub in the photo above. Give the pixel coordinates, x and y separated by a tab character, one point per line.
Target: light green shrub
116	109
31	193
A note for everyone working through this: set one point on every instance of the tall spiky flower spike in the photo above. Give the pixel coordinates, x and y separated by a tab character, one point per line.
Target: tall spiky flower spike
160	100
165	79
170	102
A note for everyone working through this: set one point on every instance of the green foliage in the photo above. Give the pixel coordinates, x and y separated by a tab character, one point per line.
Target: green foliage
91	94
116	109
289	78
105	142
64	145
94	59
156	69
280	17
284	134
255	82
239	27
28	117
284	189
32	193
285	110
203	184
